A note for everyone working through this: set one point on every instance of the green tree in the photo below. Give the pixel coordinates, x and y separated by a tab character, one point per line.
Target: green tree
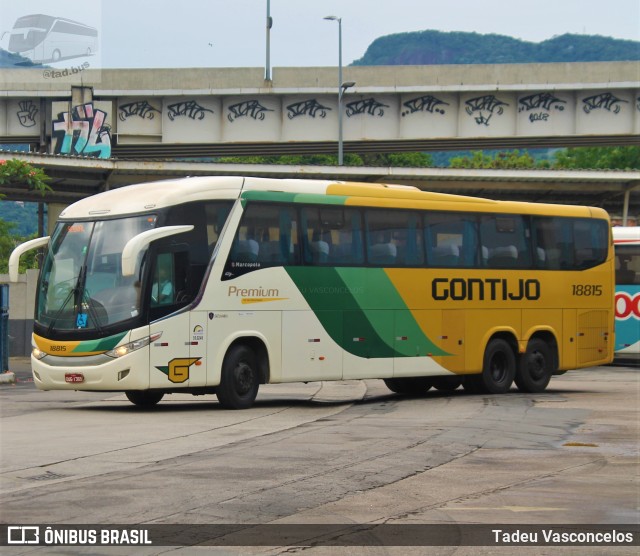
8	242
599	158
21	173
500	160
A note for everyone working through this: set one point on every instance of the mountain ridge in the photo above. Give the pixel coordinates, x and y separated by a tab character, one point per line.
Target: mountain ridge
432	47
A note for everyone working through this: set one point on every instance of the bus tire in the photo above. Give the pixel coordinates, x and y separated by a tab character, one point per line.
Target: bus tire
499	367
144	398
240	379
411	386
535	367
446	383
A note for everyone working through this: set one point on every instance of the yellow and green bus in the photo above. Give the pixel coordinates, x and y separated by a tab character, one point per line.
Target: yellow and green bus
220	284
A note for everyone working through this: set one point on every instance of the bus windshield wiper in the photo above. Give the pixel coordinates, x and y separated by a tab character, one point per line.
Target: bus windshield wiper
73	293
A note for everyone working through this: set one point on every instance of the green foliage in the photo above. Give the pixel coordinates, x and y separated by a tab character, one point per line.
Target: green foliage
503	160
412	160
8	242
436	47
20	173
605	158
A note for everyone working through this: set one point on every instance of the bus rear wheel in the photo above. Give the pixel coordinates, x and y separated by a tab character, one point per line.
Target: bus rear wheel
535	367
144	398
499	368
412	386
240	379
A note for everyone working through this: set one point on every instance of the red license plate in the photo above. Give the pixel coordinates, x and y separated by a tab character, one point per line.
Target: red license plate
74	377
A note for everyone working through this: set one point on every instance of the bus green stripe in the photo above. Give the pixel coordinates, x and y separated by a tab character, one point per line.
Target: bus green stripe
361	310
283	197
103	344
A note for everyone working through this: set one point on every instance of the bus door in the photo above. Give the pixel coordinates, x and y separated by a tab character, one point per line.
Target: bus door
171	359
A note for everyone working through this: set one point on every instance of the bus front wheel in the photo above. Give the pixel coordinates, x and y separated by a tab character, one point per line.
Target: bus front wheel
499	368
144	398
240	380
535	368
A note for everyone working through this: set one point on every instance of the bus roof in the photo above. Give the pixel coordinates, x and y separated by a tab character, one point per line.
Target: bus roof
148	197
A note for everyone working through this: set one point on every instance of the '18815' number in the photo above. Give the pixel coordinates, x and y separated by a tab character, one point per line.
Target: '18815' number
586	290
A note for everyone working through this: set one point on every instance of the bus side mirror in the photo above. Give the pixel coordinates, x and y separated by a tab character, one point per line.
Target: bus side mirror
138	243
14	259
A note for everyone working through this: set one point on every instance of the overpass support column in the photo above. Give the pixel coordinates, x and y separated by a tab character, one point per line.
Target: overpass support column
625	207
53	212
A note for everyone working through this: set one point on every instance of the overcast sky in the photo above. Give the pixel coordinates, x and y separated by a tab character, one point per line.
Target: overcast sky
231	33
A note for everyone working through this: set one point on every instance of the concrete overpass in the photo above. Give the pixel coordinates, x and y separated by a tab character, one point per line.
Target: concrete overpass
147	113
99	129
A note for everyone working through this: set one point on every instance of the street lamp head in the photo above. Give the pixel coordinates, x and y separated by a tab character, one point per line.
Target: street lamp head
347	84
332	18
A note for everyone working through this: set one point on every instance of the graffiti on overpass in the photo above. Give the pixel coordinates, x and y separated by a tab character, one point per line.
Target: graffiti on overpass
426	103
368	106
247	109
27	113
603	101
82	132
189	108
140	108
540	105
484	107
309	107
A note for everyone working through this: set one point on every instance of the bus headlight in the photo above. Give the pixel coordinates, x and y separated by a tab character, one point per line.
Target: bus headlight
37	354
132	346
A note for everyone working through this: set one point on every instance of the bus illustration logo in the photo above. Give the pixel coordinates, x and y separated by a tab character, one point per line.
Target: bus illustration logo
43	38
178	369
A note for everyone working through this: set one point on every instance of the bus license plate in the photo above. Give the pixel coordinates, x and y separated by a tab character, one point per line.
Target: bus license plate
74	377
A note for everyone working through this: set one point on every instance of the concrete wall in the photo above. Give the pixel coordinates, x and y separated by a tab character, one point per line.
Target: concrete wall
21	310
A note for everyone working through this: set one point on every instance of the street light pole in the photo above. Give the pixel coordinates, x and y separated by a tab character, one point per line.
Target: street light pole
267	68
341	86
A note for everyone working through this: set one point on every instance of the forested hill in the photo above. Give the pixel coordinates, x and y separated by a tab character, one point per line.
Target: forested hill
437	47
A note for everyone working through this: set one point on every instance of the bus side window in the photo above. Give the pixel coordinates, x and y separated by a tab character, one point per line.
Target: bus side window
628	265
394	238
506	237
267	236
451	239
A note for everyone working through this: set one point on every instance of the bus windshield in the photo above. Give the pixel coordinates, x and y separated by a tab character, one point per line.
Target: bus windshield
81	285
29	31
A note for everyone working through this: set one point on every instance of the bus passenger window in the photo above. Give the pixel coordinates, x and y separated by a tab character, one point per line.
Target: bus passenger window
451	239
506	237
267	236
394	238
628	265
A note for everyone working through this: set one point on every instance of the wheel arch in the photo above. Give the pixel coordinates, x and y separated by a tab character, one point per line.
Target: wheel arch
259	347
549	338
507	335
